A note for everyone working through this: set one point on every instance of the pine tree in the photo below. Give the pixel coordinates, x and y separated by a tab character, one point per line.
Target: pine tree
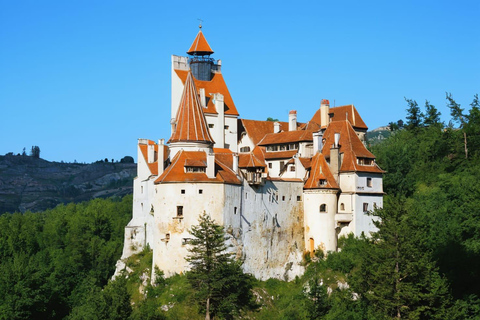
414	116
399	278
221	287
432	116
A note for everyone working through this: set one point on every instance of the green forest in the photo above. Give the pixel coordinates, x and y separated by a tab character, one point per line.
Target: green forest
422	263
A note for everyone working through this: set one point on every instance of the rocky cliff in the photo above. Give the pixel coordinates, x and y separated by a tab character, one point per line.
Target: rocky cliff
28	183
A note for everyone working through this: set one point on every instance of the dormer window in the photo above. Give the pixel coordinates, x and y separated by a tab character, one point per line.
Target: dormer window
195	166
322	182
195	169
365	161
245	149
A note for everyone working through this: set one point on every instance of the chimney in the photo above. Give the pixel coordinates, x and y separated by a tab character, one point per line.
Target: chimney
292	120
324	111
335	157
276	127
211	165
161	156
151	153
235	163
202	97
317	142
219	105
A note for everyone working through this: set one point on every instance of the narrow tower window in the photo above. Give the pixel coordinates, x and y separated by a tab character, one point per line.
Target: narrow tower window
323	207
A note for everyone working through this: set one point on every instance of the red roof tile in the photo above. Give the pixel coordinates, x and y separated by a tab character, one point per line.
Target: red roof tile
342	113
350	145
280	154
216	85
200	45
190	121
249	160
286	137
176	173
153	167
320	171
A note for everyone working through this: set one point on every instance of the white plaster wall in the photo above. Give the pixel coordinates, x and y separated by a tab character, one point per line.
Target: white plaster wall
320	226
274	171
361	221
176	147
170	256
245	141
348	182
231	132
272	230
288	173
377	182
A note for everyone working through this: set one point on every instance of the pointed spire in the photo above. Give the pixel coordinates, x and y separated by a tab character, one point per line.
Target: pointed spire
190	121
200	45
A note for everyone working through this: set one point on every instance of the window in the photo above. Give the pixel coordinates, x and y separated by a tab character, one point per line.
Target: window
167	237
245	149
182	191
195	169
292	168
323	207
299	198
369	182
142	189
283	198
226	127
365	207
365	161
323	182
179	211
200	191
342	206
235	210
283	147
210	125
269	165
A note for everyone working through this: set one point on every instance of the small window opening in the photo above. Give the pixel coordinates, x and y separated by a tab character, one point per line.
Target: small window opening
283	198
142	188
235	210
179	211
292	168
299	198
200	191
226	127
342	206
323	207
270	165
182	191
210	125
369	182
365	207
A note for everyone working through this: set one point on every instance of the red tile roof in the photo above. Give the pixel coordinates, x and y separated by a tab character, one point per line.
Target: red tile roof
351	147
200	45
216	85
286	137
257	129
280	154
153	167
190	121
175	172
320	171
249	160
348	112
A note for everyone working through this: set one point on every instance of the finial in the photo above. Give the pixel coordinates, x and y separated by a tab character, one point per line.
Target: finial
201	21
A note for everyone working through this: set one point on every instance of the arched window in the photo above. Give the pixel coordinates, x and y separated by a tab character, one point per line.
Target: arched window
342	206
323	207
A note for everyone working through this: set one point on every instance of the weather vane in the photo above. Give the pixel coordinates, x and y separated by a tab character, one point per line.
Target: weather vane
201	21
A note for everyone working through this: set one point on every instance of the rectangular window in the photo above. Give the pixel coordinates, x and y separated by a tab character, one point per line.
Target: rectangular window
182	191
200	191
369	182
235	210
365	207
292	168
283	198
299	198
269	165
226	127
210	125
179	211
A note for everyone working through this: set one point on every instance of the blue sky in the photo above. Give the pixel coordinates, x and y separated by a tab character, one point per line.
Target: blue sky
84	79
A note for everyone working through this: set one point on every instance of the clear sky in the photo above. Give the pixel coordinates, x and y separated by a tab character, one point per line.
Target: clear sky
84	80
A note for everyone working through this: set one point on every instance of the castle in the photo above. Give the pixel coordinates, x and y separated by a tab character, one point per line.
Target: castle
280	189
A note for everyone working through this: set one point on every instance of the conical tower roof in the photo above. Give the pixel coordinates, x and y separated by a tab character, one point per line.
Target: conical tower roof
191	125
200	46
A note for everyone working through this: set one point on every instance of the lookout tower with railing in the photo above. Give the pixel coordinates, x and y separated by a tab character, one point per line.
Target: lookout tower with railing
201	64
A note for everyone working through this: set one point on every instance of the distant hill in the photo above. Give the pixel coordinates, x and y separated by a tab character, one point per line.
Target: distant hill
29	183
377	135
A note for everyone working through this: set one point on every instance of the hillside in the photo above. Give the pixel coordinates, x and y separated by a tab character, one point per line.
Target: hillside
28	183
